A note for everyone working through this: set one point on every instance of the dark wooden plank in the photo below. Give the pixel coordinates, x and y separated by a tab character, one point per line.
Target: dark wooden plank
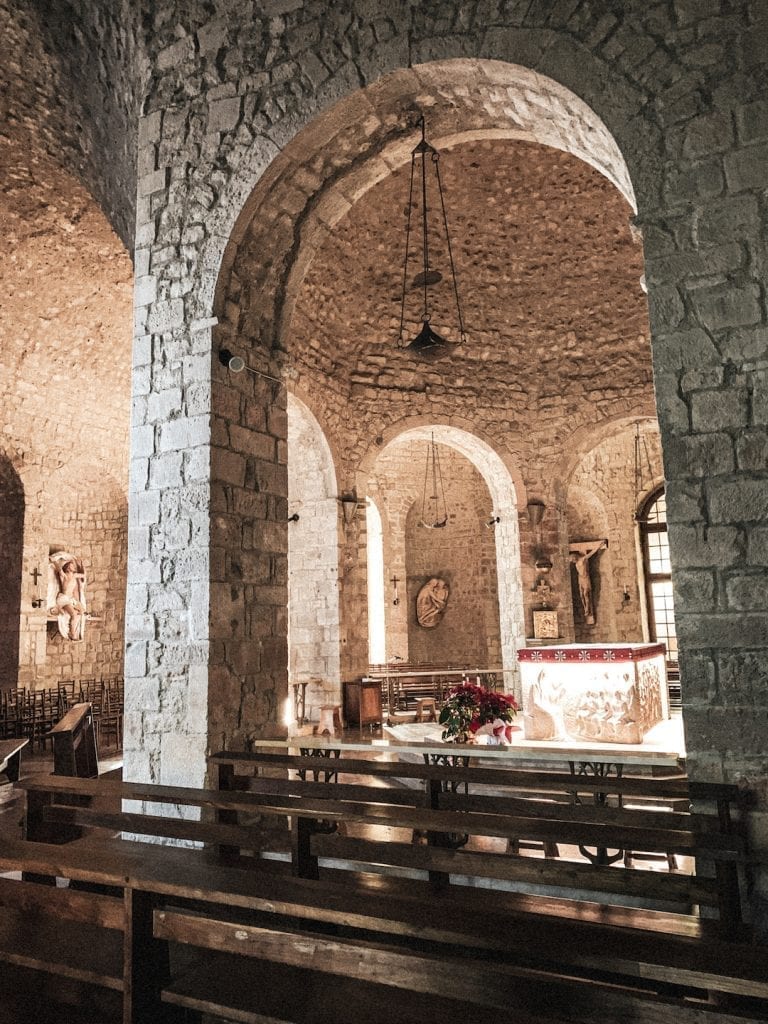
482	985
69	949
589	833
10	757
362	960
251	837
627	882
523	779
268	993
146	964
641	817
64	903
402	795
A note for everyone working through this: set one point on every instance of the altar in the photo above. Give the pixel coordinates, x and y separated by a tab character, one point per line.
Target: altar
603	693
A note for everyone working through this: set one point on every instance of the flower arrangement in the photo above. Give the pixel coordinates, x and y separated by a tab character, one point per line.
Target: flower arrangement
473	711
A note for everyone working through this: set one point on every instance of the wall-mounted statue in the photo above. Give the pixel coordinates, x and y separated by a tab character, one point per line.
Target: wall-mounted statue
66	594
431	602
581	552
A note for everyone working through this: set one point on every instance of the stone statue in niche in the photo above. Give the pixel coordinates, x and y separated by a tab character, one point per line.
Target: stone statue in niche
431	602
580	553
66	594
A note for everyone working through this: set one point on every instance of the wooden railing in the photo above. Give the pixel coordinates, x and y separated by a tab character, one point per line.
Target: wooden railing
319	884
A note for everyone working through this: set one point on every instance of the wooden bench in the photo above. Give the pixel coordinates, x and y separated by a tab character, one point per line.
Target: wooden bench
10	759
366	928
404	686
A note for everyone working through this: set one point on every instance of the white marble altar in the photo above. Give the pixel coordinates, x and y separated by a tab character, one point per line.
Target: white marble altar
584	693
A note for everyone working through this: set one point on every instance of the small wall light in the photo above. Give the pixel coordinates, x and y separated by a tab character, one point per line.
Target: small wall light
626	597
236	364
492	521
348	507
294	518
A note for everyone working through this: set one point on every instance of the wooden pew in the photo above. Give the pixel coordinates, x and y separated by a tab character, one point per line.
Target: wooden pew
366	945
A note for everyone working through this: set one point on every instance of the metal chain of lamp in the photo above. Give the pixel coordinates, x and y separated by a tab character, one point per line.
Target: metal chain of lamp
642	461
434	511
427	344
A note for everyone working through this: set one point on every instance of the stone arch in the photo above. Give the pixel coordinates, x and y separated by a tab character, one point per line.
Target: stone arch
313	561
585	438
12	508
86	513
504	496
466	99
599	490
377	649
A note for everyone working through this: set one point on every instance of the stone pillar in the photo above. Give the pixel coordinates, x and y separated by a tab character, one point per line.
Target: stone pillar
353	596
248	664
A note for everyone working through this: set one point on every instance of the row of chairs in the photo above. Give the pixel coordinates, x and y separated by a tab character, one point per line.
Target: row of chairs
31	714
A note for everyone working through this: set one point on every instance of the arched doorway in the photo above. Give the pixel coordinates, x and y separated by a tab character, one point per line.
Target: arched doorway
313	561
484	621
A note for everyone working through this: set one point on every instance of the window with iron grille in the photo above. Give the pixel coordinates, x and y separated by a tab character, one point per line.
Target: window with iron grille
652	519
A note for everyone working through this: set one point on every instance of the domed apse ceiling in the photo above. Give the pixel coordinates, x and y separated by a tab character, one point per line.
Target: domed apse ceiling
549	279
65	318
66	279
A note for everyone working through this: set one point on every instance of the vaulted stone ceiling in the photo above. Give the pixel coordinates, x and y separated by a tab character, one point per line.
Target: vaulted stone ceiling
549	277
66	278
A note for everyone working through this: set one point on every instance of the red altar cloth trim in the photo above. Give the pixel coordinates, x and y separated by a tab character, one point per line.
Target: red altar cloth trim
590	654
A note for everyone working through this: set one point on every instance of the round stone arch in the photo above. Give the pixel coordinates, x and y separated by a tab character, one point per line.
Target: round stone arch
506	496
288	209
599	500
313	561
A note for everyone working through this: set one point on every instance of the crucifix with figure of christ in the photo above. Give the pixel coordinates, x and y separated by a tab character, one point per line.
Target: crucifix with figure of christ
581	552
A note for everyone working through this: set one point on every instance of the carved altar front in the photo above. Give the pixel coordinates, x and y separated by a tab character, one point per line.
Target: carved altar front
607	693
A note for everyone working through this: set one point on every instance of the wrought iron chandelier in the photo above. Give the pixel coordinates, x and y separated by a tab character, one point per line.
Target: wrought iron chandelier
434	511
427	344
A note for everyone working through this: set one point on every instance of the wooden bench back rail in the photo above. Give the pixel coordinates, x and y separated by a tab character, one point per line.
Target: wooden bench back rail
403	686
477	947
63	807
419	930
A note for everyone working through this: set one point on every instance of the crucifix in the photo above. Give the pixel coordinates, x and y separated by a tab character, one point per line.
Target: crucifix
37	601
396	597
580	553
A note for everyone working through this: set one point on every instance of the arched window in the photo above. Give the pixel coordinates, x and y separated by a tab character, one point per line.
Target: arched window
652	519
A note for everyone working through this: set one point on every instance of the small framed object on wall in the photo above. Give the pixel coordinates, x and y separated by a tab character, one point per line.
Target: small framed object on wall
545	625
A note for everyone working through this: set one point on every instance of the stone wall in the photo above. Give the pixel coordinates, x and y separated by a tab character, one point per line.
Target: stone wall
682	88
602	502
65	318
70	77
313	562
463	553
94	529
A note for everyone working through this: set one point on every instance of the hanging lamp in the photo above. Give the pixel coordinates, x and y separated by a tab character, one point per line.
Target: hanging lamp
641	455
428	344
434	511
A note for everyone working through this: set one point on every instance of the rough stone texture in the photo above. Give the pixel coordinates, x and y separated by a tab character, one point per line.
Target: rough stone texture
65	325
313	562
463	553
90	520
70	75
602	503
